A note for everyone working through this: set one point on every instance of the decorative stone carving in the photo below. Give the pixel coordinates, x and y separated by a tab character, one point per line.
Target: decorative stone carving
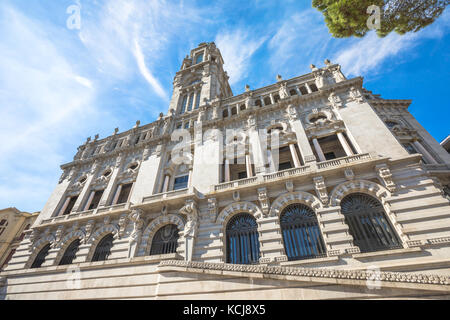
290	186
136	234
385	174
355	95
275	271
364	186
335	100
236	196
237	207
321	189
264	200
294	197
58	236
191	211
251	122
212	208
283	90
292	113
349	175
88	230
122	224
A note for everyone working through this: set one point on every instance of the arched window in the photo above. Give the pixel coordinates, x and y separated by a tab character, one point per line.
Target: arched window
368	224
165	240
37	263
242	240
103	249
70	253
301	233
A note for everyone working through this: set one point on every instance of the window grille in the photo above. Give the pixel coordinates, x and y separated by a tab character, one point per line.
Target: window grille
301	234
368	224
40	259
70	253
103	250
165	240
242	240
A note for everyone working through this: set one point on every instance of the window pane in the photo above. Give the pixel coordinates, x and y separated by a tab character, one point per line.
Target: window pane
181	183
183	105
96	200
124	193
199	58
197	100
191	102
71	204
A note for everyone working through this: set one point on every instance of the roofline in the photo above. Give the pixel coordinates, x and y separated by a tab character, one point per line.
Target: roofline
446	140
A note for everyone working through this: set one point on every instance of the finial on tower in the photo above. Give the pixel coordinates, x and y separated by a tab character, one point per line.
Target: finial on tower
313	67
279	78
138	123
116	130
327	62
247	88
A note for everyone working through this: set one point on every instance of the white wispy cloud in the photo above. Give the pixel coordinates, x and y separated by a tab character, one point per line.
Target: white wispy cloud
237	47
154	83
300	40
44	104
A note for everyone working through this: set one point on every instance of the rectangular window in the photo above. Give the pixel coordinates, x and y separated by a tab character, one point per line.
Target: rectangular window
8	259
330	156
96	200
191	102
199	58
197	100
242	175
410	148
71	205
124	193
284	166
183	105
181	183
186	125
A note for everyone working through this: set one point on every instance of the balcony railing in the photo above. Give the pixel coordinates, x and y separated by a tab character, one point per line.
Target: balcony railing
166	195
286	173
340	161
280	175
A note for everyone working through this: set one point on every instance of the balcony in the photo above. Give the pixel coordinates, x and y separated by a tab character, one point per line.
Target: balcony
342	161
182	193
312	168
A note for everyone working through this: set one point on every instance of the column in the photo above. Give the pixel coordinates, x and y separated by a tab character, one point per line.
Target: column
248	164
298	91
308	88
227	170
428	157
343	141
306	151
116	195
295	155
166	184
88	203
190	178
238	108
271	98
319	150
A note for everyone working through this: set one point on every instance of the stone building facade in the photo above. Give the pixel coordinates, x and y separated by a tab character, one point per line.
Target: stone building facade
13	225
309	188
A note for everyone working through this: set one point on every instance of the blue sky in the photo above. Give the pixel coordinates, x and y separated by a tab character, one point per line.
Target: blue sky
59	86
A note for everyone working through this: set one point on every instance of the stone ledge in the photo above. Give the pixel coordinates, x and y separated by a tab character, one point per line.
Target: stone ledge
310	261
385	253
313	275
95	265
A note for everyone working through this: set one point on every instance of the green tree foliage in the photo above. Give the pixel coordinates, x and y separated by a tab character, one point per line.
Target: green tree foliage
346	18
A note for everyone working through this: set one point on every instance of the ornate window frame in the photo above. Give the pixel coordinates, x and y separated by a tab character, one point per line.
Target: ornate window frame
157	224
